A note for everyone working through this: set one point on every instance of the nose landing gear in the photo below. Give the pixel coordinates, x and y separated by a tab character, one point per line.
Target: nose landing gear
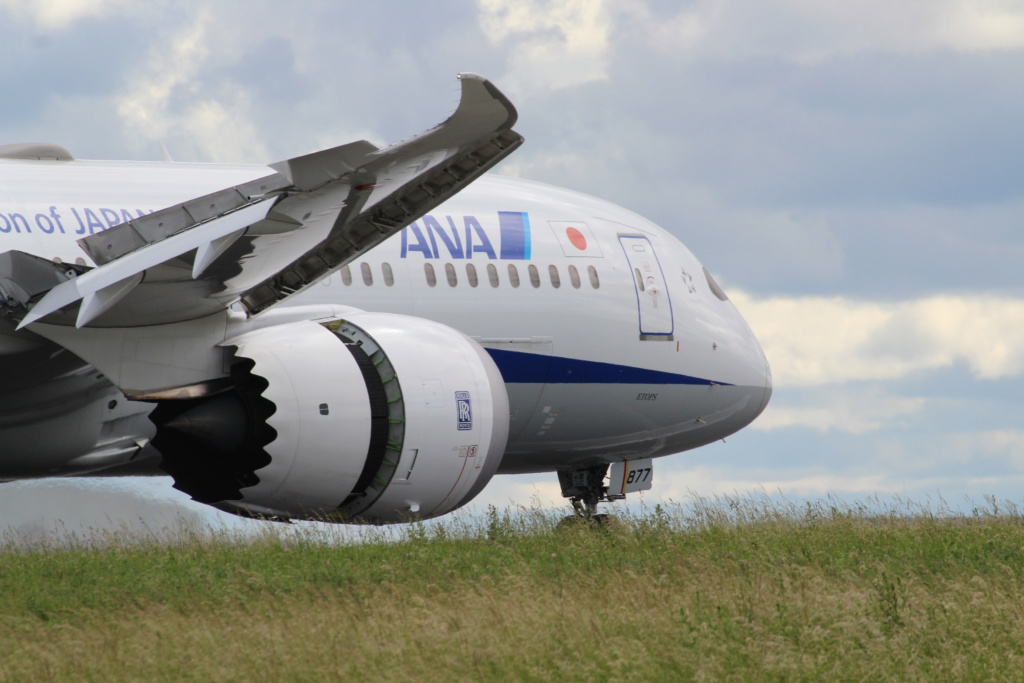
585	486
585	489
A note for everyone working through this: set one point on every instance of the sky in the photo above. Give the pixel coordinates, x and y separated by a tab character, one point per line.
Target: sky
852	173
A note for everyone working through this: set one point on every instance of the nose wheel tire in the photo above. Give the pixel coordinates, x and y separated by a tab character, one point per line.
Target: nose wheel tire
600	521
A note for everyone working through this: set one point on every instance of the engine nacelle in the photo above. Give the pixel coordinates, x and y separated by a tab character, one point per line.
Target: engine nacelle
378	417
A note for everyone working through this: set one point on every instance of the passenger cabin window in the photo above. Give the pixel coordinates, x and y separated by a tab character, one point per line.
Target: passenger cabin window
534	275
364	267
389	275
574	277
556	279
473	276
346	275
513	275
639	279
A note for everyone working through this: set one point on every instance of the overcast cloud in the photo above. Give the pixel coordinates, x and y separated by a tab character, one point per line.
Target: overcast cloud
851	172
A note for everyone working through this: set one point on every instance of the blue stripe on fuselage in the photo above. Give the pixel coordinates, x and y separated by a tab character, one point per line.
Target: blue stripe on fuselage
518	367
515	234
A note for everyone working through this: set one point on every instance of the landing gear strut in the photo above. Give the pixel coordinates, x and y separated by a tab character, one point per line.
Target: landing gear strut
585	489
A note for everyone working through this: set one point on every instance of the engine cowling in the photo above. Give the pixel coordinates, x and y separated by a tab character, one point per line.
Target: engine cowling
378	417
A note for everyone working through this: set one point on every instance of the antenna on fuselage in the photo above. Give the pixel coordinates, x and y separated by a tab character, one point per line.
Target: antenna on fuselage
165	156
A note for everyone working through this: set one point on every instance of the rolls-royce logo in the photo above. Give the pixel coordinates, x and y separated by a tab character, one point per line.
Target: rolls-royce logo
465	409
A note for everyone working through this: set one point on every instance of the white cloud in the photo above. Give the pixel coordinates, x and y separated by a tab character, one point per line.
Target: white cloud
980	25
554	45
993	446
853	412
55	15
217	126
680	484
813	341
683	33
505	491
573	168
810	30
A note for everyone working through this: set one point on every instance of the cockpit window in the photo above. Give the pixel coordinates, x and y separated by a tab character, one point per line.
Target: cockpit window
714	286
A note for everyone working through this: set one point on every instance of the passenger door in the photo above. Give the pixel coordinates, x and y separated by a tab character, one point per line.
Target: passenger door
654	307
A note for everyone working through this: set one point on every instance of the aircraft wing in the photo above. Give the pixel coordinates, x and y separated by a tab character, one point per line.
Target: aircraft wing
264	240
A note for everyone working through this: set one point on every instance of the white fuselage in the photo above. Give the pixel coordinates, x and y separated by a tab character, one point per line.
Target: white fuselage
609	333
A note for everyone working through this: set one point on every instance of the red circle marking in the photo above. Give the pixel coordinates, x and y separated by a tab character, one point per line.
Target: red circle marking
577	238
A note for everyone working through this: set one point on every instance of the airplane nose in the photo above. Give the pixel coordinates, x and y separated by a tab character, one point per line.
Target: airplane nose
767	386
758	372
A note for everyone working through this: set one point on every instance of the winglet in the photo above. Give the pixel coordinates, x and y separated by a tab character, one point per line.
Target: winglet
471	101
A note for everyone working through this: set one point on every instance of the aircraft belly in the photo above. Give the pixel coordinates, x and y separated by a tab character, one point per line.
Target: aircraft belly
580	424
522	401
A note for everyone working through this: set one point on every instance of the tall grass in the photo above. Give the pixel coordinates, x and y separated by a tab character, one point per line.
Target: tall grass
729	588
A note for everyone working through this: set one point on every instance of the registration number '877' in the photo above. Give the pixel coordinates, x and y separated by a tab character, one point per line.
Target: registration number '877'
638	476
629	476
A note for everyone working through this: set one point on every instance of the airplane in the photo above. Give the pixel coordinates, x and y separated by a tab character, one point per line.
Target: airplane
357	335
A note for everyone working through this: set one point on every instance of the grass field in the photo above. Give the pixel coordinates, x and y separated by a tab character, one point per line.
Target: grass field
724	589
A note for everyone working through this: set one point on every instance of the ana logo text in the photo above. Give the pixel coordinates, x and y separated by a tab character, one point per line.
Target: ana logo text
452	237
